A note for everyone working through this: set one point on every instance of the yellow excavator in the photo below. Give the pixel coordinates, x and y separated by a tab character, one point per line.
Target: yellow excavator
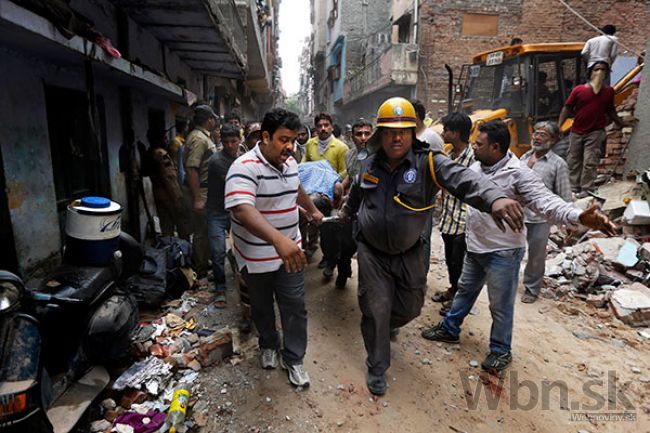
523	84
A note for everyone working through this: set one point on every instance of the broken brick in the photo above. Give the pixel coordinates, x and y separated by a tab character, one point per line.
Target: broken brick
215	347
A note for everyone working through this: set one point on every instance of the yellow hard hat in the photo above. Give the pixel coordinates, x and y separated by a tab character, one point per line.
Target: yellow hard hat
396	113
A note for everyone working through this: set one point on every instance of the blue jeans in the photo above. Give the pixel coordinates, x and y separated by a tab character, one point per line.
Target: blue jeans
218	227
500	269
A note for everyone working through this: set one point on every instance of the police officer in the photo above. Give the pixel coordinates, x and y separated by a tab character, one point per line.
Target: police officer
392	197
199	147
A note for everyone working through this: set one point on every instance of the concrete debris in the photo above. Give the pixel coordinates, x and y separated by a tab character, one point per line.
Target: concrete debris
637	213
602	272
627	255
631	304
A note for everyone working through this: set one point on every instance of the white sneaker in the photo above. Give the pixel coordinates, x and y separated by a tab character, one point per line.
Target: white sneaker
269	358
298	376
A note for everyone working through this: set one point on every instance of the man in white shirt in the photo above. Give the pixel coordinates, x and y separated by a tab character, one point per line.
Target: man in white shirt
493	255
422	133
263	193
603	48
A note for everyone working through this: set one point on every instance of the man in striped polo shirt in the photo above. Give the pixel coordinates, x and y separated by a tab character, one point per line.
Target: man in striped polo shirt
456	128
263	193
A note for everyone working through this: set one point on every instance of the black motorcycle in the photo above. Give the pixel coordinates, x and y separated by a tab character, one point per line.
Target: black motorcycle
56	340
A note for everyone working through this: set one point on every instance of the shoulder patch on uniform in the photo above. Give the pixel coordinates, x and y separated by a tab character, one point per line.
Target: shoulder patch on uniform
370	178
410	175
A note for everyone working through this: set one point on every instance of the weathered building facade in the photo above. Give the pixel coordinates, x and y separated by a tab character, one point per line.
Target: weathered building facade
73	115
349	37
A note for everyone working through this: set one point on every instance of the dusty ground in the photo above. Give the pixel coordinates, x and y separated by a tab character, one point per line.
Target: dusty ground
561	346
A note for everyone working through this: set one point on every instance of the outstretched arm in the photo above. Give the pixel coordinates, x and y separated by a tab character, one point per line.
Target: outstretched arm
477	191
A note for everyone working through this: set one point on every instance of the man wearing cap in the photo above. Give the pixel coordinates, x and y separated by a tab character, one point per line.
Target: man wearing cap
392	198
198	150
252	134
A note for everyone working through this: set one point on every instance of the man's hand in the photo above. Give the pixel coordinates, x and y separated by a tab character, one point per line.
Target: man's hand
317	217
508	211
293	258
597	220
199	205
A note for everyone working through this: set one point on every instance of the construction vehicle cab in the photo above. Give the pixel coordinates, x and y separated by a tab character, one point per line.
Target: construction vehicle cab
521	84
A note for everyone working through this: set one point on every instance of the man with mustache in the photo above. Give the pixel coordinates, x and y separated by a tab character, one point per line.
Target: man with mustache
325	145
555	174
493	257
392	198
263	193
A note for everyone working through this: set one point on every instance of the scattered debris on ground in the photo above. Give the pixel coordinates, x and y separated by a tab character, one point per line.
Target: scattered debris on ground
611	275
171	348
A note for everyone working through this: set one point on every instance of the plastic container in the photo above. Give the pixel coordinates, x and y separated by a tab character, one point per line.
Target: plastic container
92	228
177	411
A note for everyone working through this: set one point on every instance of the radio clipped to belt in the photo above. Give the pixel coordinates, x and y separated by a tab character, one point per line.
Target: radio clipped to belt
432	171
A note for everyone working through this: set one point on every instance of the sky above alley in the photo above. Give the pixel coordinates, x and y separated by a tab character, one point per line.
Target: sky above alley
294	27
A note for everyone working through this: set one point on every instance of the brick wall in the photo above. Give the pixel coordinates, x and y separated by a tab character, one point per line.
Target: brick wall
618	139
534	21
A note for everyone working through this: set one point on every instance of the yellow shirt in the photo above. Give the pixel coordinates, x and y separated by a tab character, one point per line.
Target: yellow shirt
334	153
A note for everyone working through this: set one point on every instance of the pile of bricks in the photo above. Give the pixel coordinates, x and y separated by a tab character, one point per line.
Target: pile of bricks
618	139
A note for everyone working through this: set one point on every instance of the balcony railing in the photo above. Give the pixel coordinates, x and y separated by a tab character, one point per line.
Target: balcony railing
397	65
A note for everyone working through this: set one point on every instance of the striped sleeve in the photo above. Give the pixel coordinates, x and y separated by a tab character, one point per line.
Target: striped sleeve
241	183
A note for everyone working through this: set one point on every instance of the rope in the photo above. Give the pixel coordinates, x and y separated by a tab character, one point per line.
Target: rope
576	13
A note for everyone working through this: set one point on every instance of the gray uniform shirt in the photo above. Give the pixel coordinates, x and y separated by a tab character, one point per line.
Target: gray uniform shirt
521	184
391	227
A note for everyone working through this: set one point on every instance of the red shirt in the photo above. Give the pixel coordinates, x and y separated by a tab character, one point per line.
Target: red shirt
590	109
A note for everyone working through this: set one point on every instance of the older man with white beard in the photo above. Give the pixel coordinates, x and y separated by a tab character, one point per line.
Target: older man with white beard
554	173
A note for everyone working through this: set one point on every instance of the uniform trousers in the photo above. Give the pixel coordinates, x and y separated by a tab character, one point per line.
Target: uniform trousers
391	294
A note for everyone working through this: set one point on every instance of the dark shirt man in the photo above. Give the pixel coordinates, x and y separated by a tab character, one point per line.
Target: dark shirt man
218	217
392	200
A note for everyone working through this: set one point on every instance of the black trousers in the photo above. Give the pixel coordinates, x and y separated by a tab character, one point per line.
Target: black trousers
338	245
455	248
288	288
391	294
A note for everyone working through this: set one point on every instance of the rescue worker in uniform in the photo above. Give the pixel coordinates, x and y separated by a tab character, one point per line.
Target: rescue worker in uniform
392	197
198	149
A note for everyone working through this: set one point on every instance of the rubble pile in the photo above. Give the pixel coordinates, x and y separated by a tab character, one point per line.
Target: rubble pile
609	274
171	349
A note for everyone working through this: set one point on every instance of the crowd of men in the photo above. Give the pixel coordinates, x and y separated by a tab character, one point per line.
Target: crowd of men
267	185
